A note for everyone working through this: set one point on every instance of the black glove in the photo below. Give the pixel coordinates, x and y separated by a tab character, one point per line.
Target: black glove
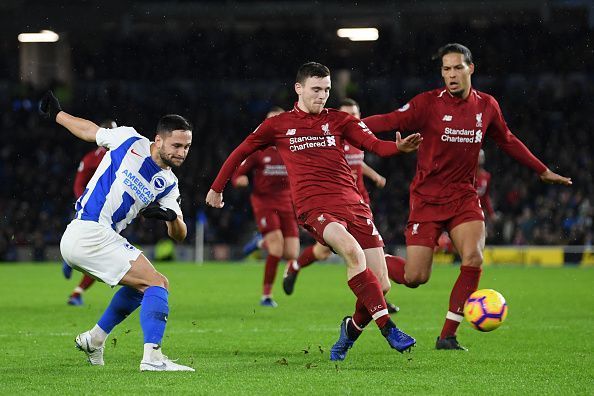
49	106
154	211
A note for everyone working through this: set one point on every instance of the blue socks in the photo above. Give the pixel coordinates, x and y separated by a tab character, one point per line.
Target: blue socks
123	303
153	314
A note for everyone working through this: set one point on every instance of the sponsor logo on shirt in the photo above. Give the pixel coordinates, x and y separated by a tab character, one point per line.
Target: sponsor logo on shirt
291	132
447	117
307	142
274	170
142	191
452	135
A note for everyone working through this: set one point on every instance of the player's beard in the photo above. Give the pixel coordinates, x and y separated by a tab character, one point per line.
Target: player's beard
167	161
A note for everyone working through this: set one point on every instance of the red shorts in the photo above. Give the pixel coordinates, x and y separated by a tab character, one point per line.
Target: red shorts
427	221
357	219
269	220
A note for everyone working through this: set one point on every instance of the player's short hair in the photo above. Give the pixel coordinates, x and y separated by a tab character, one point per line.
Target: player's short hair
108	123
172	122
348	102
311	69
455	48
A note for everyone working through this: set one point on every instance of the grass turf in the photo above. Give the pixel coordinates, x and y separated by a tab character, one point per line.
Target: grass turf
238	347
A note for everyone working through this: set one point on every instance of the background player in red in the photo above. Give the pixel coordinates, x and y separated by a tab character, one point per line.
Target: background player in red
453	122
355	158
273	209
87	167
309	139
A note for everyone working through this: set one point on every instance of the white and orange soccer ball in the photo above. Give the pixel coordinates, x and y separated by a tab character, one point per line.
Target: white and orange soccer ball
485	309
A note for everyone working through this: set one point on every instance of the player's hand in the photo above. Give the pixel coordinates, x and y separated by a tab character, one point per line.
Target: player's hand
155	211
408	144
380	181
241	181
49	106
214	199
551	177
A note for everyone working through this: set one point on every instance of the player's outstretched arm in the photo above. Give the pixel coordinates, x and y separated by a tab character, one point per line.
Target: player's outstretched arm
369	172
551	177
50	108
408	144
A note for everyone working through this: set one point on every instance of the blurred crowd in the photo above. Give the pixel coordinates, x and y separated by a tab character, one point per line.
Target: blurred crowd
545	93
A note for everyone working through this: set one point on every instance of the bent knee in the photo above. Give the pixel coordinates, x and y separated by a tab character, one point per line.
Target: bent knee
474	260
416	280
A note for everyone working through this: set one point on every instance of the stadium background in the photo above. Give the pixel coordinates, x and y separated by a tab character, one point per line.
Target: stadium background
223	64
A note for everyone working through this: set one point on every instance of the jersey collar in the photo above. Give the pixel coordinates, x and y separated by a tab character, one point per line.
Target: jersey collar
302	114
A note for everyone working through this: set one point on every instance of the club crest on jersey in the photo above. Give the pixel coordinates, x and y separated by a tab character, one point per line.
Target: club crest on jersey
267	159
326	129
291	132
479	120
159	183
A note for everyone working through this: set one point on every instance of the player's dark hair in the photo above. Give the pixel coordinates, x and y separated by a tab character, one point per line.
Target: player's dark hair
349	102
172	122
311	69
454	48
108	123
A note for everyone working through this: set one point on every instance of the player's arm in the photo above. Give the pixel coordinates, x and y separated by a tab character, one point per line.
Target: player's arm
369	172
240	178
177	229
260	138
514	147
357	133
407	118
50	108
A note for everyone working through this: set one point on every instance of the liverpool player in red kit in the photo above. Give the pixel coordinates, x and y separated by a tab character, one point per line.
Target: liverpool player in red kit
87	167
309	139
273	209
453	121
355	159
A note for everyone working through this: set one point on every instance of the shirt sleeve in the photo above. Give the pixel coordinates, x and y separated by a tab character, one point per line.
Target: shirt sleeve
509	143
359	135
408	118
245	167
112	138
171	200
83	174
262	137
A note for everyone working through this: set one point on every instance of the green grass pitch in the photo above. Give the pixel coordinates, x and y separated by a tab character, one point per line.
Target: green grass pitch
546	346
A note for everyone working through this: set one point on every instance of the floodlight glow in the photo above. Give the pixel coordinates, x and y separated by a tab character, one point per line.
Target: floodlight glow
45	36
359	34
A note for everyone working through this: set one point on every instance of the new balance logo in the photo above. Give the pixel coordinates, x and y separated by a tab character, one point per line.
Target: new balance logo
291	132
447	117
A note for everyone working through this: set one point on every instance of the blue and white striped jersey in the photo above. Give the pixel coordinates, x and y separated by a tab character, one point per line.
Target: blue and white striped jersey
126	181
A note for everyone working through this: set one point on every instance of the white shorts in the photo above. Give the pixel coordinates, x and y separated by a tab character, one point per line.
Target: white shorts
97	250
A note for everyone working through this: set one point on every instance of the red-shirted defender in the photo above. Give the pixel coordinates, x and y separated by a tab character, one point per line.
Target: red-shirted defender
86	169
355	159
310	139
453	122
273	209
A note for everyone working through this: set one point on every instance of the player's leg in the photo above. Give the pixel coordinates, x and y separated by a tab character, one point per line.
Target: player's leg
76	297
310	255
469	240
275	243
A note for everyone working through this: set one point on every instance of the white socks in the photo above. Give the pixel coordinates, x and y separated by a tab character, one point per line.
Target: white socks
98	336
152	353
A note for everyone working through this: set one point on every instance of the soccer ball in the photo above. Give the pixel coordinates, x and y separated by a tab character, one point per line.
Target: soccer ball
485	309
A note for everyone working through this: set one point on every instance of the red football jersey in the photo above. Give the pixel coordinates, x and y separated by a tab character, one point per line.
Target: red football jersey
355	158
482	183
87	167
453	131
270	183
311	146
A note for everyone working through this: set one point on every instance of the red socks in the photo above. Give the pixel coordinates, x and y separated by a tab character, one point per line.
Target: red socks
306	258
466	284
395	266
84	284
269	273
361	317
369	292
